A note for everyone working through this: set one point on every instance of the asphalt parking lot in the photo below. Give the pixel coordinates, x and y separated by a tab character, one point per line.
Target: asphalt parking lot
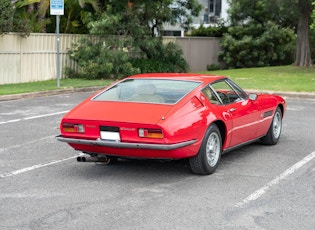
255	187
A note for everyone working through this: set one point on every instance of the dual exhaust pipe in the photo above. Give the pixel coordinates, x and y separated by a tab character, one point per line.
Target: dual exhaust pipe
104	160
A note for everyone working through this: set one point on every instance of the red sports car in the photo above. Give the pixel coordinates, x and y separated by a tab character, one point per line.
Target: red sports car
172	116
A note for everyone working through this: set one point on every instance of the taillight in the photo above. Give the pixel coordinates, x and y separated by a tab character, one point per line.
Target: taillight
150	133
72	128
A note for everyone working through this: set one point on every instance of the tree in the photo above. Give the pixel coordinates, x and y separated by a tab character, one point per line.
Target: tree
257	45
257	36
303	50
153	14
282	12
6	16
132	43
143	19
36	14
33	13
286	13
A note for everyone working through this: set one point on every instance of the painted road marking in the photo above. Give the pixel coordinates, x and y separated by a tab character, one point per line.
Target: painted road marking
19	171
7	149
261	191
33	117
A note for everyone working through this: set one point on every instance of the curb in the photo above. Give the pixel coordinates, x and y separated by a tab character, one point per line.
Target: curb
298	95
97	88
285	94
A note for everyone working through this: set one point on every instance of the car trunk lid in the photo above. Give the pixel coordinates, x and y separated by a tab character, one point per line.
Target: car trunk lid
127	112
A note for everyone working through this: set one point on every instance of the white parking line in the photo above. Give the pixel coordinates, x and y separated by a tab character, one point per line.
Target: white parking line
33	117
36	167
258	193
6	150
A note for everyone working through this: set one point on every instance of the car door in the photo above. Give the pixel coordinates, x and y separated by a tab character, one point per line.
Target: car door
238	108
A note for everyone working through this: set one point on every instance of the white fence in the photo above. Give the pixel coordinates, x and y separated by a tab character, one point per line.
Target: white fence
34	58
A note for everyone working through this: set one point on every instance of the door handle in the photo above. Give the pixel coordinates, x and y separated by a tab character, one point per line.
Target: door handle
232	110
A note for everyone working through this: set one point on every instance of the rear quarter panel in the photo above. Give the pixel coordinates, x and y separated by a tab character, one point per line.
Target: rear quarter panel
268	104
188	120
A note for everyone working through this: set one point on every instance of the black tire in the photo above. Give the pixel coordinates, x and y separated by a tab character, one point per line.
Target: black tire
209	154
274	131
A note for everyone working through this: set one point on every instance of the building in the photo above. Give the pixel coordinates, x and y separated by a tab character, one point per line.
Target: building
214	11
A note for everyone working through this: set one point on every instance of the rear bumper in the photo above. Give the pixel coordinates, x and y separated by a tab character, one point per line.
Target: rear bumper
125	145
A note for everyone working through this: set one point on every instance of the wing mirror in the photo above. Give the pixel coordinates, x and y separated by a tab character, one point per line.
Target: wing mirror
252	96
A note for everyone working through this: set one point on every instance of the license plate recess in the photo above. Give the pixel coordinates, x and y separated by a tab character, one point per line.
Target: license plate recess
110	133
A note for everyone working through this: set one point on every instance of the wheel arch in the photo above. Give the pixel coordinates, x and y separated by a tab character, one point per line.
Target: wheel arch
222	129
281	108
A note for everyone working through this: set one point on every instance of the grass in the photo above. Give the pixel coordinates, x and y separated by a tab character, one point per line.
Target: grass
280	78
50	85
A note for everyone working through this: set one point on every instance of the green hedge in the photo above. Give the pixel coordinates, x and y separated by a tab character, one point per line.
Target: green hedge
257	45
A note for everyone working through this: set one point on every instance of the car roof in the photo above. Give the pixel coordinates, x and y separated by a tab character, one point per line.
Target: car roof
206	78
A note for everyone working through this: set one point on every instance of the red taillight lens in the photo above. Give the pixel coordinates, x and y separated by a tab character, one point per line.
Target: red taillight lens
150	133
72	128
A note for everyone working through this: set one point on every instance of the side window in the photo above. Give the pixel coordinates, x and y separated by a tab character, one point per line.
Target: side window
208	92
225	92
238	89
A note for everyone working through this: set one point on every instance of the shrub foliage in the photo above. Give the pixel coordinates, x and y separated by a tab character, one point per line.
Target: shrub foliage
127	42
257	45
211	31
116	57
101	58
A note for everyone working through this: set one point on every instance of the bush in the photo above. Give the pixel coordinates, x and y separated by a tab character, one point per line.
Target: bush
6	16
213	67
115	58
128	46
162	58
100	60
257	45
211	31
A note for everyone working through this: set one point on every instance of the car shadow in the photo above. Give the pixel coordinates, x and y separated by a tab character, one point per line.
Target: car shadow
140	168
134	168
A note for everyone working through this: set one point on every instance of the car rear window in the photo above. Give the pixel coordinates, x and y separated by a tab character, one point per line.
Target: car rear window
164	91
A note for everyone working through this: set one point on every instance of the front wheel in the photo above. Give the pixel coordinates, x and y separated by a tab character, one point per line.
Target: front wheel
209	154
274	131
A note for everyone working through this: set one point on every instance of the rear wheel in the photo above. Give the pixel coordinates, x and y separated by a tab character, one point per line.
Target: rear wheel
274	131
209	154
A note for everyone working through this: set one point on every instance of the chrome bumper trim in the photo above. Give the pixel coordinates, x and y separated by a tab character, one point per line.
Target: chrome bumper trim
124	144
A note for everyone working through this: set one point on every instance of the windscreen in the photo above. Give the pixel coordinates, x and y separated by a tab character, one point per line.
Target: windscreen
164	91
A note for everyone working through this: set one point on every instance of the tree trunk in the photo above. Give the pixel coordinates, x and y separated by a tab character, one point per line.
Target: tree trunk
42	9
303	51
30	8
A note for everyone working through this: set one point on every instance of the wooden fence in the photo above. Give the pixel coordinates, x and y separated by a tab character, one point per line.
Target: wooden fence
34	58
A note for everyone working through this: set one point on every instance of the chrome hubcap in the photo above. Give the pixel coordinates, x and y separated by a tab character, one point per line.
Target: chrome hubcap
277	123
213	149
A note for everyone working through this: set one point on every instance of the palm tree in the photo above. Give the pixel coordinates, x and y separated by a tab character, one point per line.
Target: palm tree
73	13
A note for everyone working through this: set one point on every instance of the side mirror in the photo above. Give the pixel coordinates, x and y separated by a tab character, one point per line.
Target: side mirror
252	96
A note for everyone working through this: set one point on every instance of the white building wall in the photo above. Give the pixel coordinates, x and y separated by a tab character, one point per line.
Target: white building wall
224	13
200	19
176	30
